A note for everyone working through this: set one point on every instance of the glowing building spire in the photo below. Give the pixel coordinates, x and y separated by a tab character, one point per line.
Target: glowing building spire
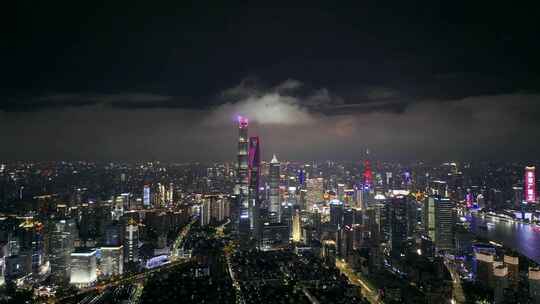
368	176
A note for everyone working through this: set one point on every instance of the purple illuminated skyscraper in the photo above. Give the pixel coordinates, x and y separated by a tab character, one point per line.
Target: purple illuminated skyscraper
254	177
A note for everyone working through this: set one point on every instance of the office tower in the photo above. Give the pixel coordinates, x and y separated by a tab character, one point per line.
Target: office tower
146	196
426	247
17	266
438	188
314	195
534	284
296	226
2	271
349	217
131	241
274	235
241	187
31	243
3	255
374	222
83	267
316	222
349	197
496	199
112	261
389	181
103	215
429	217
292	198
302	199
60	249
439	221
205	216
512	263
300	178
160	195
530	184
118	208
113	235
274	177
445	222
398	224
345	241
500	278
254	166
481	201
86	220
360	199
286	216
336	213
464	240
341	192
329	251
517	197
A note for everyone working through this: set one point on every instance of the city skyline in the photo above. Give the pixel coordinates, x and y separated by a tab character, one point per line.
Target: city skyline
177	152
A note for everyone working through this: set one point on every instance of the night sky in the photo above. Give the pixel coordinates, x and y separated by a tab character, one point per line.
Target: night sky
147	80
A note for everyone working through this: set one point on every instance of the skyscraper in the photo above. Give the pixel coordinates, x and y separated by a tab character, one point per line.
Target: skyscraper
61	246
112	261
439	221
336	213
275	204
444	229
83	267
530	184
242	179
296	226
398	224
367	176
131	241
32	245
146	196
254	181
241	186
315	188
517	197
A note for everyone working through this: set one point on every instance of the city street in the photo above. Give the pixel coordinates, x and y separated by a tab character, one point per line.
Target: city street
368	291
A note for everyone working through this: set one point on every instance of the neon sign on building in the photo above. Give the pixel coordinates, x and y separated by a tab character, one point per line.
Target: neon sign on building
530	185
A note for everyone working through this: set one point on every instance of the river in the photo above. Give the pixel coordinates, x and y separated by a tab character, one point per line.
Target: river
524	238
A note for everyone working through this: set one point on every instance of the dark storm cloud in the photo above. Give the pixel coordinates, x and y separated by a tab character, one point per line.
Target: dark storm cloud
314	125
163	80
118	100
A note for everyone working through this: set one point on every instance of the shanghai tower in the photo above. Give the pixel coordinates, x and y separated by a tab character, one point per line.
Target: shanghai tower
241	187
